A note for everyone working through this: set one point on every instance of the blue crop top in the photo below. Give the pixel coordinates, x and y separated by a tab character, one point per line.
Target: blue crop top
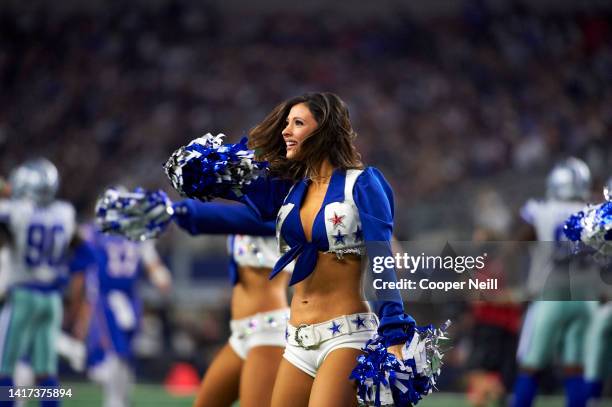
356	216
337	227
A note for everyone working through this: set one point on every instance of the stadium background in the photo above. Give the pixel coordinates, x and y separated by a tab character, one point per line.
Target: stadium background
451	99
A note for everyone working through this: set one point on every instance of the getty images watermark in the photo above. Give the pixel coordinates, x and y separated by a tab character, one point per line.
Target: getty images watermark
404	262
495	271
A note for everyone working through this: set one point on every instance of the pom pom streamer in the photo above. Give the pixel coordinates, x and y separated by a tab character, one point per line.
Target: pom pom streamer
592	227
137	215
383	380
206	168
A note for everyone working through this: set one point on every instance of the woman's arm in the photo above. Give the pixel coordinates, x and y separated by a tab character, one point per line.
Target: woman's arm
220	218
265	196
374	199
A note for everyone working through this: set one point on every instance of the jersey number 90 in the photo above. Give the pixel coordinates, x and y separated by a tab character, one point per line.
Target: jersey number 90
45	245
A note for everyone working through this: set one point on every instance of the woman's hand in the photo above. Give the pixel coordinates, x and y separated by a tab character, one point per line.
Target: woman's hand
396	350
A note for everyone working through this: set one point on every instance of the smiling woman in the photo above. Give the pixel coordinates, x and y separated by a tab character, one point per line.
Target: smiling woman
330	212
300	124
315	128
327	206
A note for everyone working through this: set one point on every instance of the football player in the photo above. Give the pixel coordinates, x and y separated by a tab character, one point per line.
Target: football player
552	322
110	316
37	230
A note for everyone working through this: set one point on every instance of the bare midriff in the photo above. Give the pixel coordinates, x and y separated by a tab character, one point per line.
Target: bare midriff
334	286
255	293
333	289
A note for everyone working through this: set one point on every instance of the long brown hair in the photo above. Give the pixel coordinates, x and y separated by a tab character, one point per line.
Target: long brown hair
333	139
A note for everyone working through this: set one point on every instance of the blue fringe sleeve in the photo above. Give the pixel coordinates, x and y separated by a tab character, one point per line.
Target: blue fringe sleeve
220	218
374	199
265	196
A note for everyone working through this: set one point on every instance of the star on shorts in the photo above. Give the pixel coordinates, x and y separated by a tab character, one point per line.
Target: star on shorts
335	328
359	322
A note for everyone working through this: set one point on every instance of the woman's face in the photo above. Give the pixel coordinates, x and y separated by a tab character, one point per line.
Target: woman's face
299	125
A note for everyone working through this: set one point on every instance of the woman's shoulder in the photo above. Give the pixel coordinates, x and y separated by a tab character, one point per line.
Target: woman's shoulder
372	175
371	186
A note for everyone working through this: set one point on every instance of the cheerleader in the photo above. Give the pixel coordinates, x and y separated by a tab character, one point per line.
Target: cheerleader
328	208
246	366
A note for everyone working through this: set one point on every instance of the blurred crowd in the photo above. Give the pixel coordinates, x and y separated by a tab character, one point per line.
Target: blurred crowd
108	95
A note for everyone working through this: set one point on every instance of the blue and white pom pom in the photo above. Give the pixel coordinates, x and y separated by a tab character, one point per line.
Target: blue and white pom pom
206	168
592	227
383	380
137	215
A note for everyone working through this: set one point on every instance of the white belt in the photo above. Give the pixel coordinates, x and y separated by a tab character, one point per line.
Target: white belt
262	321
310	336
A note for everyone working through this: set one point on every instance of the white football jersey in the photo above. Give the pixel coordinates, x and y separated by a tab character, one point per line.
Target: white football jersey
41	235
548	219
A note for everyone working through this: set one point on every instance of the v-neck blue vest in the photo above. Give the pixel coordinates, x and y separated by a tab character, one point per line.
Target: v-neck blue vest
336	227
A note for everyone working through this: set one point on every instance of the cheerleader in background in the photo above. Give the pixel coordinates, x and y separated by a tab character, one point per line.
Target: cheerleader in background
246	366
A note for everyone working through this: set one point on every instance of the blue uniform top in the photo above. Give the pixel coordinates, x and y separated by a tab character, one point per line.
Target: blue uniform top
356	215
216	218
118	261
111	280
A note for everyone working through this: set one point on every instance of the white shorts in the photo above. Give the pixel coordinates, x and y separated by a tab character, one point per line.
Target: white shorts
361	328
261	329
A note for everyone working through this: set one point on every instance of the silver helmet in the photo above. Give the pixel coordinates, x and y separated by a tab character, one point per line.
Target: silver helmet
35	179
570	179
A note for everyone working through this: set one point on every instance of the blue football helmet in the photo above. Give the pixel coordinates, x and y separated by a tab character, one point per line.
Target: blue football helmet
37	180
569	180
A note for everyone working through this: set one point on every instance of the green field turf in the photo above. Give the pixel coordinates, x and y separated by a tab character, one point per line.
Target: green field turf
86	395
